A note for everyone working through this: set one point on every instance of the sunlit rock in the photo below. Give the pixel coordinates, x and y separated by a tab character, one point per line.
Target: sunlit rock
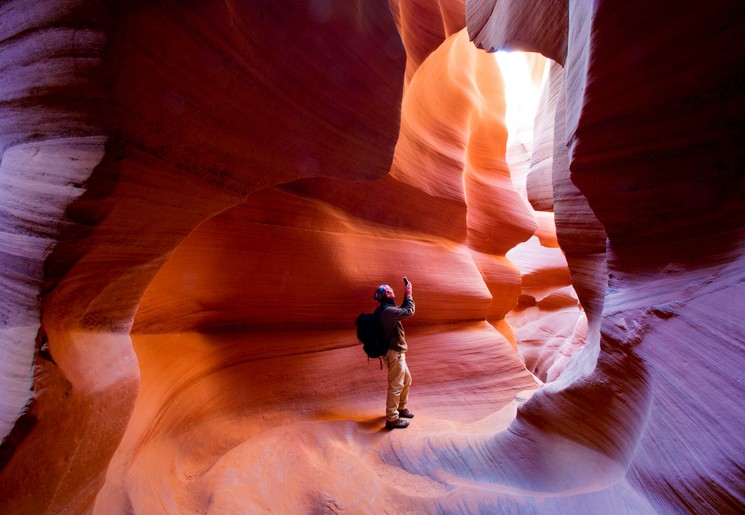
155	119
197	200
652	154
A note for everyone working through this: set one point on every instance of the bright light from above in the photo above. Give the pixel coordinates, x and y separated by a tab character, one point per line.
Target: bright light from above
521	95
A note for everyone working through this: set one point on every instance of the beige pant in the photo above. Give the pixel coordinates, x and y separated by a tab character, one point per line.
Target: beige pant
399	381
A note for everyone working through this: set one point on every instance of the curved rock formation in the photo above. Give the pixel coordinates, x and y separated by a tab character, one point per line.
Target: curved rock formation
640	185
198	199
157	117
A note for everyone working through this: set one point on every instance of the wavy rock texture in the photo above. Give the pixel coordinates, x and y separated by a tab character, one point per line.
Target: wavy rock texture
198	200
157	117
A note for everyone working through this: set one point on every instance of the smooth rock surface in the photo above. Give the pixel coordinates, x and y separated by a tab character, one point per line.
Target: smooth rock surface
197	199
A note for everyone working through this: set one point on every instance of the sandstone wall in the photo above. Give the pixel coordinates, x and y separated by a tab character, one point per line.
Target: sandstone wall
198	199
124	127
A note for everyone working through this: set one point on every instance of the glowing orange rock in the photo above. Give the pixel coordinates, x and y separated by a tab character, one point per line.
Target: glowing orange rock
221	179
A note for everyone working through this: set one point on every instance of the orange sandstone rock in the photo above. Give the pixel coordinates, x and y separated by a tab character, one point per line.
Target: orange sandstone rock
197	200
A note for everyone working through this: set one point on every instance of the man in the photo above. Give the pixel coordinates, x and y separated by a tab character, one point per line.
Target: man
399	378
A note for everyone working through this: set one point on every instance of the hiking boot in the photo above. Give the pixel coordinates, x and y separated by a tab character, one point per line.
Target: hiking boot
399	423
405	413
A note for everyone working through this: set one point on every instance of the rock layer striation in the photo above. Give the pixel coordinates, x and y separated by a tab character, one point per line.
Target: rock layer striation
198	199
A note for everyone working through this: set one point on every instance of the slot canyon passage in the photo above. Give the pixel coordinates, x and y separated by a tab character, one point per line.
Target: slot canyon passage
198	198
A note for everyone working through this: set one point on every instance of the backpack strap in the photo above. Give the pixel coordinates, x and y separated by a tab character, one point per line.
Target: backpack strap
380	359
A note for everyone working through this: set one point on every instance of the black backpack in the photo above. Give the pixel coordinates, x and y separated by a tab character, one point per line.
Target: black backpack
370	332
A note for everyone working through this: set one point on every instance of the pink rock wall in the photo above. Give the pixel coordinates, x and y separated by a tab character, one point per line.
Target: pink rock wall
172	115
228	181
648	138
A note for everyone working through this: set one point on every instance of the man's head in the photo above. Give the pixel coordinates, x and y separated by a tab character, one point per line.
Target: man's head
382	292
